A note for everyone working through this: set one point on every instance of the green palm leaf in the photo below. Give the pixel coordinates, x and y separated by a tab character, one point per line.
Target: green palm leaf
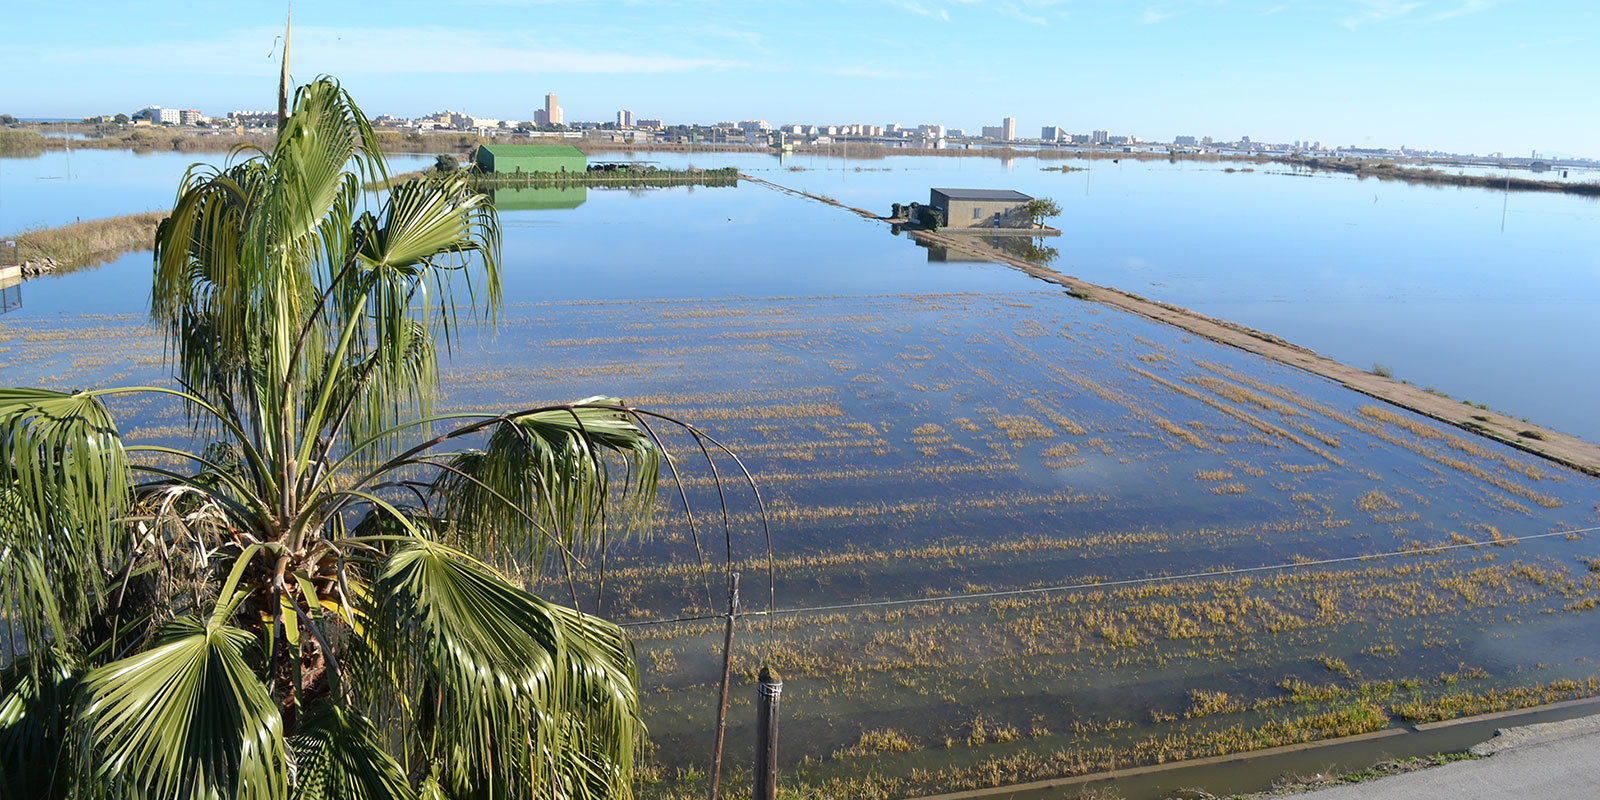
505	689
425	218
600	730
34	711
62	452
63	482
556	463
339	755
185	720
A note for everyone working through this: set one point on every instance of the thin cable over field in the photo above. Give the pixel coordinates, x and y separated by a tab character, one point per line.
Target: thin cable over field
1108	583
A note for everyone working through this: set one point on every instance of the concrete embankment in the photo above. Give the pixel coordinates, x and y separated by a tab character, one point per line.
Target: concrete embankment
1308	767
1546	760
1555	446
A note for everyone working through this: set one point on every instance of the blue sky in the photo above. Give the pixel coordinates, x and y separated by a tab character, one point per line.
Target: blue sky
1463	75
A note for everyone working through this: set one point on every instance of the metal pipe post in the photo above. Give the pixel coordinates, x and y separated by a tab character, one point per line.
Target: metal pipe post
766	780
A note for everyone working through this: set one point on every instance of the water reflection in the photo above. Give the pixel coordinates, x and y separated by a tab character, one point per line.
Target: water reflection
1028	248
539	198
10	294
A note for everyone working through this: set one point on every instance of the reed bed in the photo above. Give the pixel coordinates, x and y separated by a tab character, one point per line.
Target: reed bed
89	243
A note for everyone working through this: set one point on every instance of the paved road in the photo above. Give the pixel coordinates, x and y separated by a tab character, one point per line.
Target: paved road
1550	761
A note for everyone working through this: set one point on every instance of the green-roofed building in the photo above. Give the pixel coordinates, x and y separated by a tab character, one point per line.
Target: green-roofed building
505	159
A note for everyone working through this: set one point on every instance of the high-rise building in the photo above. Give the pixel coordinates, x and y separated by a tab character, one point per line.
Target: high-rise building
552	112
1100	137
1050	133
189	116
624	119
1008	127
994	132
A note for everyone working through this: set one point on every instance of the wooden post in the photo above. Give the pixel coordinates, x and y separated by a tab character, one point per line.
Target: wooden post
766	781
727	671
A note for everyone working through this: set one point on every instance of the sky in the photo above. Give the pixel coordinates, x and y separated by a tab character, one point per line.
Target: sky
1469	76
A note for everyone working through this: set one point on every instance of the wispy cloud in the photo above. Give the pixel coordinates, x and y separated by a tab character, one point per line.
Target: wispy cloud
922	8
1379	11
380	51
1152	16
864	72
1469	7
1033	12
1373	11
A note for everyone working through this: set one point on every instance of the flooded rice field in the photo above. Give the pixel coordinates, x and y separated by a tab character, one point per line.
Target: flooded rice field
1013	535
1016	536
962	447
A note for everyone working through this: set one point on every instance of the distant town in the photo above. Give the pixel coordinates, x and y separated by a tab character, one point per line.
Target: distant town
550	121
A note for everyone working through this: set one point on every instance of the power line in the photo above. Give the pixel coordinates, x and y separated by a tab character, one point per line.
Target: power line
1104	584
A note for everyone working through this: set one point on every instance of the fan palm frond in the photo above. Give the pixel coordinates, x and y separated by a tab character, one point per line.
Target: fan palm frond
186	719
339	755
504	685
547	476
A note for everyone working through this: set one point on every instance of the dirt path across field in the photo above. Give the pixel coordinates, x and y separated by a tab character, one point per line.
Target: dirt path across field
1558	447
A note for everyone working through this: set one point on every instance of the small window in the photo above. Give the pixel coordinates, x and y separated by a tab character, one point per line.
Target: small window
977	213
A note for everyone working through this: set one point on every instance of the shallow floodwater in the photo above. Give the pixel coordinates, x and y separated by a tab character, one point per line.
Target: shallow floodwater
58	187
1016	535
1482	295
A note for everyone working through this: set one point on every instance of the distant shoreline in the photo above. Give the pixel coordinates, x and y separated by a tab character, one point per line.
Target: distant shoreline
144	138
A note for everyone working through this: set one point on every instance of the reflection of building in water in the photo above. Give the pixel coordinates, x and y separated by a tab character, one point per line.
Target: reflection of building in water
544	197
939	254
10	289
1028	248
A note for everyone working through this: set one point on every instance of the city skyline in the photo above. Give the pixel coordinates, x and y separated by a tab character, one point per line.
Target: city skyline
1465	76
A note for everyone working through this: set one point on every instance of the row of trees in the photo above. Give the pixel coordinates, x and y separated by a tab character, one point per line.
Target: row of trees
306	606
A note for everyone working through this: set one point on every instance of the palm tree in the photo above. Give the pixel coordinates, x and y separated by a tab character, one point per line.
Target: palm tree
314	604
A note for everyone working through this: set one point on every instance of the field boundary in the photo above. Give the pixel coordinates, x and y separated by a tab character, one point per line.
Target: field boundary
1111	775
